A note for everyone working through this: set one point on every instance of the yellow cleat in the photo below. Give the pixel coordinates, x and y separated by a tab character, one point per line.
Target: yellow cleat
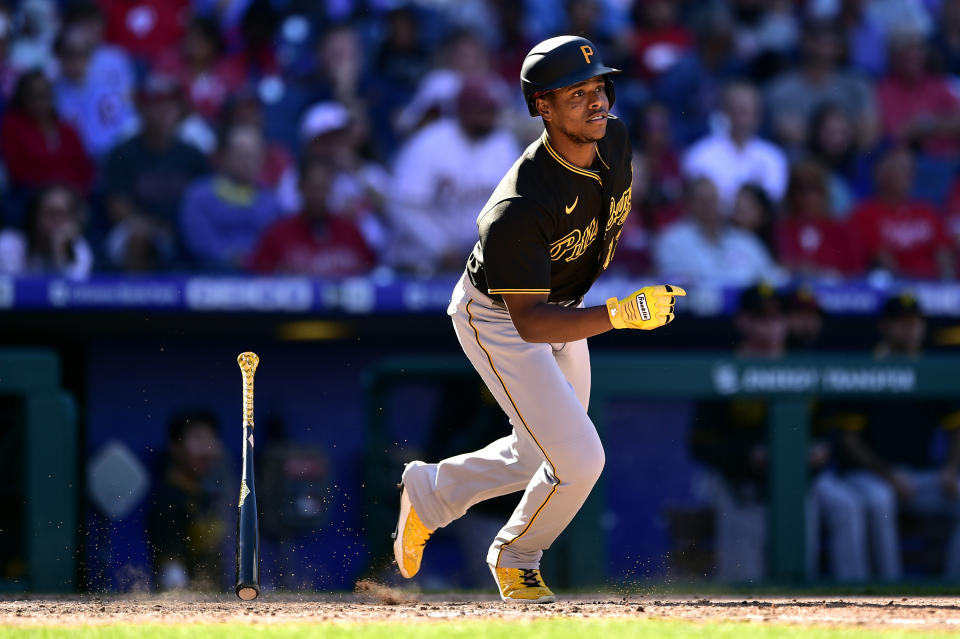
522	585
410	538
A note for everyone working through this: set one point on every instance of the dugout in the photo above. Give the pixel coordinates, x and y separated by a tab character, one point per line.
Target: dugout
788	385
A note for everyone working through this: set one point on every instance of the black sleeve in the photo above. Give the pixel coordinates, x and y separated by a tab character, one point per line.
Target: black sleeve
515	241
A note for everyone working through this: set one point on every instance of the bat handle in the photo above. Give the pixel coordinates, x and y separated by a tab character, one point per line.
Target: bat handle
248	367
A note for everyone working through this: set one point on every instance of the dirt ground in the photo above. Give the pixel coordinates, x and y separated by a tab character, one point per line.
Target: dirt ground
376	603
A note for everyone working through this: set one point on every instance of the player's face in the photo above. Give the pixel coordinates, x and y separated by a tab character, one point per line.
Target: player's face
579	111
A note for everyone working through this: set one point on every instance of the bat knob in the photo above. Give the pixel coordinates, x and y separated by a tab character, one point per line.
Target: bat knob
247	593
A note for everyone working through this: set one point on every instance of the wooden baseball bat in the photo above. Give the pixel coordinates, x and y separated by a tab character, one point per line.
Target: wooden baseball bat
248	532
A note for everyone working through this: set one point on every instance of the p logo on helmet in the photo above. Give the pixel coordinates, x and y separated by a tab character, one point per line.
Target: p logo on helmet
587	53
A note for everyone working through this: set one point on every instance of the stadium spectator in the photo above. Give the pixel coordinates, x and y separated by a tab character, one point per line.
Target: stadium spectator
93	98
256	54
146	29
753	213
345	80
887	452
402	59
903	236
441	180
435	98
653	138
39	147
224	215
704	247
692	90
245	108
330	133
201	69
190	505
318	241
144	181
832	144
108	62
325	134
917	107
316	80
730	438
660	39
462	54
37	24
735	156
513	41
864	32
809	241
795	95
52	242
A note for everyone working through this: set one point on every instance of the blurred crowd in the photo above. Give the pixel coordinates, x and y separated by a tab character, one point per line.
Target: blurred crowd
774	139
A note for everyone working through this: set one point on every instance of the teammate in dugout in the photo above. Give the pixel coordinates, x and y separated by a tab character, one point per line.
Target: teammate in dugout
548	231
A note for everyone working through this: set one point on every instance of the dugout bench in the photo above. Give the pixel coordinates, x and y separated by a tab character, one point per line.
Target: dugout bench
38	464
787	384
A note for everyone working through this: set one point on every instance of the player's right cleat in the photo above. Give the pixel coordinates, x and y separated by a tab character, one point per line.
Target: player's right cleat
410	538
522	585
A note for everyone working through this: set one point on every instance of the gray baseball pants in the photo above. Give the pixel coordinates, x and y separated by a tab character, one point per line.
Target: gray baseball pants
553	453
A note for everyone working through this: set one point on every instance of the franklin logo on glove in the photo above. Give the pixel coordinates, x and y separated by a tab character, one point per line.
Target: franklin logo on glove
642	306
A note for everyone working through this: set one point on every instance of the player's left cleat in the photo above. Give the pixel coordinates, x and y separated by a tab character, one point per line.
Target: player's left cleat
522	585
410	538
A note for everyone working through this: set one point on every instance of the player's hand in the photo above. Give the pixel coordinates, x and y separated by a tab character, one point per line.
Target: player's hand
650	307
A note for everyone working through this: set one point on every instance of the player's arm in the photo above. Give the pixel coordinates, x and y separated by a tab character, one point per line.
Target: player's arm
537	321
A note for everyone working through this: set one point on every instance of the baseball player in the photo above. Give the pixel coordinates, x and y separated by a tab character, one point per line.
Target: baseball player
547	232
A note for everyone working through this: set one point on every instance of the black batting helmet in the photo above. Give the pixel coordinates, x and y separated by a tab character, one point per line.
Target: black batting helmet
559	62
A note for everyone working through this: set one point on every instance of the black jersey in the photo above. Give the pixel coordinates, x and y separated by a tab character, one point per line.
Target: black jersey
552	227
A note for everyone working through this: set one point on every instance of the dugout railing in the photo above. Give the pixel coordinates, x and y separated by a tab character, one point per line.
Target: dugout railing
787	384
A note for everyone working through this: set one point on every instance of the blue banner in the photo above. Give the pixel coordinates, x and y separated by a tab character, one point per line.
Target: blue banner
391	294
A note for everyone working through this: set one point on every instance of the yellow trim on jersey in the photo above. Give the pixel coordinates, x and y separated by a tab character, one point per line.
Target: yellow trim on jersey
476	334
517	291
567	165
597	147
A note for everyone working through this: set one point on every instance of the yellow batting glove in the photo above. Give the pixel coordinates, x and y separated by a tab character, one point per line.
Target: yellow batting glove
650	307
